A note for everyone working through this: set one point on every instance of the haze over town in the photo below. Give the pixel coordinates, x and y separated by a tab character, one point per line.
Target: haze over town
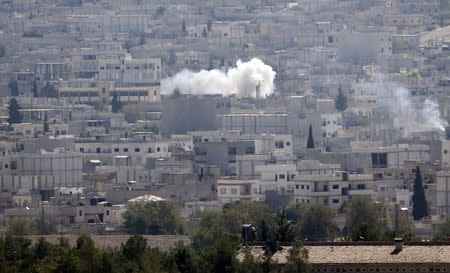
224	136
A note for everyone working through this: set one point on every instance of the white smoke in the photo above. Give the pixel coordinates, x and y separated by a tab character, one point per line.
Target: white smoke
409	116
242	80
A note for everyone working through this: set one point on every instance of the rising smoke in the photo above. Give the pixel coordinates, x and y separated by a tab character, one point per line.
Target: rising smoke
243	80
406	115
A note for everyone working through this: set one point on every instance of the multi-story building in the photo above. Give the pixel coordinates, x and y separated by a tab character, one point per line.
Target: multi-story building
103	92
231	190
127	70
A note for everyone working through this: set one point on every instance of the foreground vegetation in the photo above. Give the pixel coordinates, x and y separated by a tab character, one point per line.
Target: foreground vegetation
17	254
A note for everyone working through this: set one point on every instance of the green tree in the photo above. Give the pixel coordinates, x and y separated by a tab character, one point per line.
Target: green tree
310	144
19	228
142	39
204	33
2	51
153	218
420	206
134	247
132	112
43	248
365	214
18	253
148	127
221	257
116	105
294	212
316	223
210	62
34	89
184	28
263	231
49	91
160	11
184	259
210	228
297	260
45	227
46	126
172	57
365	232
283	230
13	87
89	256
245	212
15	116
341	100
443	231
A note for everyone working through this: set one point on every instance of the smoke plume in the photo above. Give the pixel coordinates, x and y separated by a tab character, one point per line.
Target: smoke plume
242	80
406	115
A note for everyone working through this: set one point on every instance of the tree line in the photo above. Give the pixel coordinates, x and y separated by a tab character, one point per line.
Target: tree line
18	254
363	219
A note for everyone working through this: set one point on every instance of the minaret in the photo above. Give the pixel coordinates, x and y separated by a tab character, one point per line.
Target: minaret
258	90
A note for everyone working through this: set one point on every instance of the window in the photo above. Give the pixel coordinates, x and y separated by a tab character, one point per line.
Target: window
303	187
279	144
125	150
80	212
282	176
137	150
223	190
107	212
158	149
116	150
149	150
288	143
233	191
232	150
335	187
250	150
81	150
379	160
98	150
335	201
296	186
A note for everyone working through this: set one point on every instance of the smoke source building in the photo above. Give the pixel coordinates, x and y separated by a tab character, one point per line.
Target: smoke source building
187	113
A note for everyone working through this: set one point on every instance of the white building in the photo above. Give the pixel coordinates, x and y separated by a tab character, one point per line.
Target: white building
232	190
276	177
331	124
127	70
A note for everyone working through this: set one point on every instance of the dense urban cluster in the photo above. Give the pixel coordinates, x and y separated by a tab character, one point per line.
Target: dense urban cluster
310	120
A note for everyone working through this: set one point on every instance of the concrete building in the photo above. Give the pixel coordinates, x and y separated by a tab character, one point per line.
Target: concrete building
232	190
127	70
